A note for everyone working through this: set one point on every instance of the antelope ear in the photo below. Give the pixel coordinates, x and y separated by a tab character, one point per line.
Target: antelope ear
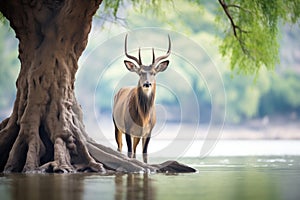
130	66
162	66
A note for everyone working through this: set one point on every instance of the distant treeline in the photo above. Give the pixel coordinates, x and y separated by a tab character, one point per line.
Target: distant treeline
269	94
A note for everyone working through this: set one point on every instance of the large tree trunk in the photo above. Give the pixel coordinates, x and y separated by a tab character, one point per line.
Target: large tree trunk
45	130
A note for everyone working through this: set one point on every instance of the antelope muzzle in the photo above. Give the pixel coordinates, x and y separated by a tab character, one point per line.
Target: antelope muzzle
147	85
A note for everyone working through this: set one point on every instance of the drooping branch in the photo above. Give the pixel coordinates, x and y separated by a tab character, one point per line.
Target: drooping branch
237	30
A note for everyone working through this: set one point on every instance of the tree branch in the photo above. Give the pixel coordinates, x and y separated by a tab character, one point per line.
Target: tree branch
225	8
235	28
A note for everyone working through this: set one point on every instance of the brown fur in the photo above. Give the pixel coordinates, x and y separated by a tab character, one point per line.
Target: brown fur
142	112
134	110
140	106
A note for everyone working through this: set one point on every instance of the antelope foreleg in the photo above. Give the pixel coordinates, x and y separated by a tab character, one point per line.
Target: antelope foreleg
129	145
145	149
136	141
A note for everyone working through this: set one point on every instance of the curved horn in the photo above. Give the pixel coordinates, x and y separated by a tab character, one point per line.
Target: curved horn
153	56
140	59
130	56
155	61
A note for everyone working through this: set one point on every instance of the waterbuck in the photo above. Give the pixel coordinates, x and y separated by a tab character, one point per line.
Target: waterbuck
134	108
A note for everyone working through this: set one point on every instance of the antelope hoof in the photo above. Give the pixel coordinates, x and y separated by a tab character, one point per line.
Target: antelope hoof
145	158
129	154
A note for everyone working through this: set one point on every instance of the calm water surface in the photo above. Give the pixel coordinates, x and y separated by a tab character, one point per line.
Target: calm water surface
265	177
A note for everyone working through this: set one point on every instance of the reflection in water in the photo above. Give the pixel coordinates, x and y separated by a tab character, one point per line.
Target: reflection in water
134	186
75	186
45	186
226	178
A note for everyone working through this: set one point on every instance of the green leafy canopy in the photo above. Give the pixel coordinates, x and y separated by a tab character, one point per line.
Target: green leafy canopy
251	28
252	32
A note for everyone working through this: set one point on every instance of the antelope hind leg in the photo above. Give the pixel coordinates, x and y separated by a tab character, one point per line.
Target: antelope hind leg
118	136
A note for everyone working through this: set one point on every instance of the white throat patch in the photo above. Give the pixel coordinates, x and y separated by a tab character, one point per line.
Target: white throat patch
147	91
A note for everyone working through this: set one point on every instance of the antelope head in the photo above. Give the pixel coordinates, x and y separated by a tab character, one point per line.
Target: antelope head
147	72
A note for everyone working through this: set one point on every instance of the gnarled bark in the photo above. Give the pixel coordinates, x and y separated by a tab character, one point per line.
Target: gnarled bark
45	131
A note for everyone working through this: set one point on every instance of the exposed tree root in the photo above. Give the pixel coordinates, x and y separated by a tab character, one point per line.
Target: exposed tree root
33	146
31	156
8	135
116	161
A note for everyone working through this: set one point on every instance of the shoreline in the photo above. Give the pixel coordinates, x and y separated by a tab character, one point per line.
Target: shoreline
168	131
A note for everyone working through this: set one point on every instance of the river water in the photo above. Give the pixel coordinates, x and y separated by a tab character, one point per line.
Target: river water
243	177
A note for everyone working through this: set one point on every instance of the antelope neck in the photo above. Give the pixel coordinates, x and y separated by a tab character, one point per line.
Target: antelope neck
145	101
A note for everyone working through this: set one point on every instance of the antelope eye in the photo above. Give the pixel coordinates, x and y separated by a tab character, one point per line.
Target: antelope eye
140	72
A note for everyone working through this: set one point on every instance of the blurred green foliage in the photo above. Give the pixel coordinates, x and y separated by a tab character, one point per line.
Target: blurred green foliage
9	68
264	94
282	96
256	23
249	28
